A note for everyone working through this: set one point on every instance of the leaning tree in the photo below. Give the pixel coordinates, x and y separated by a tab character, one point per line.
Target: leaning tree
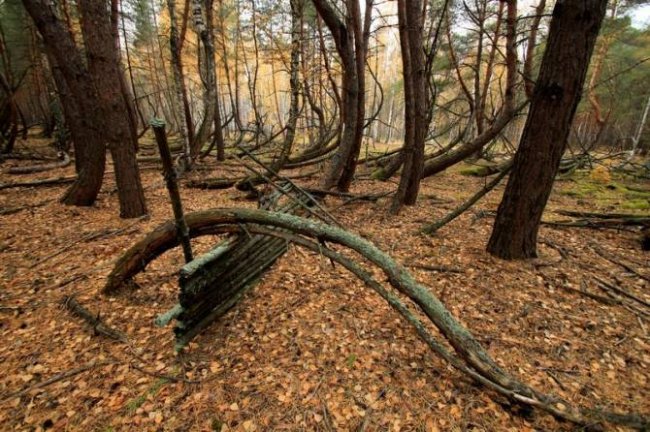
572	36
351	40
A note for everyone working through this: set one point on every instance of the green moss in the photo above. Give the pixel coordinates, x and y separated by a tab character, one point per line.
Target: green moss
137	402
217	424
636	204
477	171
379	174
613	194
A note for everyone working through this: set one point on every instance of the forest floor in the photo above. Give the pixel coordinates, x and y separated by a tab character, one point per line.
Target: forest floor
310	348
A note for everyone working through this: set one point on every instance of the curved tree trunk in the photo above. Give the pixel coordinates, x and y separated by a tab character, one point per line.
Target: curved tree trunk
350	46
468	355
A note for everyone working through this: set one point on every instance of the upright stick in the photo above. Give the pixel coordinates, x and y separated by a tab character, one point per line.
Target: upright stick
182	231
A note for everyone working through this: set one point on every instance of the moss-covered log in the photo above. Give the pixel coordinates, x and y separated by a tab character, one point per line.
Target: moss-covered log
469	356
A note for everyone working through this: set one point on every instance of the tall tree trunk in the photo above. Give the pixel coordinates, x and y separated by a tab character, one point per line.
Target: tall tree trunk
294	81
210	52
411	27
129	67
83	116
103	64
181	101
126	94
203	27
529	82
572	36
351	47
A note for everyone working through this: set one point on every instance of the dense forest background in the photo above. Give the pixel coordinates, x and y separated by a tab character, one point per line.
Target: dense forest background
373	215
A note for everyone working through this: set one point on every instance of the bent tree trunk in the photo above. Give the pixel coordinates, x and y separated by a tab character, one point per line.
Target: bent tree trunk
351	49
467	354
573	33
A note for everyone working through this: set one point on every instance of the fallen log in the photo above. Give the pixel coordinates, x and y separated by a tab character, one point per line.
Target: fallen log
41	167
38	183
468	355
227	183
594	215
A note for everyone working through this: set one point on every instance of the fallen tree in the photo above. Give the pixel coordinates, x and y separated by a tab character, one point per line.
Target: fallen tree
466	352
64	162
36	183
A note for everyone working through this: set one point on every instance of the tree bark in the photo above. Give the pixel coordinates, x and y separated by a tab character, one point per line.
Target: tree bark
350	45
180	98
203	23
103	64
415	102
83	115
572	36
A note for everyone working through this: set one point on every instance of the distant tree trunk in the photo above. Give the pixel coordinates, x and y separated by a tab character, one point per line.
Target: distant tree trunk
529	82
103	63
185	126
203	26
83	116
508	111
599	60
574	29
210	52
129	67
294	81
415	101
639	132
351	47
126	94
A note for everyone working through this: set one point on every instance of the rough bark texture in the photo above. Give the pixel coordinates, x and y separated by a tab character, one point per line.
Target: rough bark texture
573	33
415	103
351	49
203	23
186	127
103	63
83	116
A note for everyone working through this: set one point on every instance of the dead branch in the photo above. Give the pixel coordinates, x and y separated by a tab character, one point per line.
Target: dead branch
56	378
98	326
432	228
609	257
436	268
41	167
621	291
592	215
227	183
37	183
88	237
13	210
